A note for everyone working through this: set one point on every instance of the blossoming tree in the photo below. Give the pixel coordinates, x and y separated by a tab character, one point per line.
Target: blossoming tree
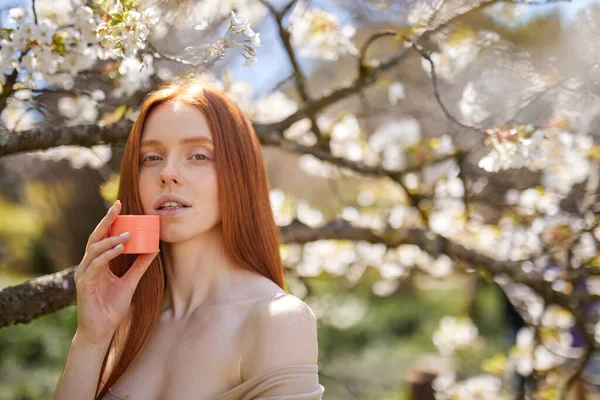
71	80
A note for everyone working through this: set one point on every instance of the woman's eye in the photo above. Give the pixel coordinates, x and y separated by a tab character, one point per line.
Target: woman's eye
154	158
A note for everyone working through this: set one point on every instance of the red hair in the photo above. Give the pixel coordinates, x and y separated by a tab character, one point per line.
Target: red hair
250	234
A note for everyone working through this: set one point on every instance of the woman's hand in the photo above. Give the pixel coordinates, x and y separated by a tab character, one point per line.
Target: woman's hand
103	299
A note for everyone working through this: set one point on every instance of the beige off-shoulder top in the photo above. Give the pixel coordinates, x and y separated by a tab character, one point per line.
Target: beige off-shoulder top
301	382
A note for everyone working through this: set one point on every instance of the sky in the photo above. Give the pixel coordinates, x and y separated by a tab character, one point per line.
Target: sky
272	58
567	9
6	5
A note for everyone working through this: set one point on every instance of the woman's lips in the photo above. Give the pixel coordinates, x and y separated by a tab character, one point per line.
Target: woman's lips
172	212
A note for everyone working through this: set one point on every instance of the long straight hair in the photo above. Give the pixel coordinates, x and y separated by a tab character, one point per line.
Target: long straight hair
250	234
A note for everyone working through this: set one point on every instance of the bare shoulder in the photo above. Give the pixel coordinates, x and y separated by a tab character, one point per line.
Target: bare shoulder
280	311
281	331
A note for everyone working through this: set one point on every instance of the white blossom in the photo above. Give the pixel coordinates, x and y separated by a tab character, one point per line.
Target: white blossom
515	148
556	317
346	312
544	359
421	12
312	165
308	215
447	218
480	387
454	334
79	157
404	132
15	116
440	268
45	32
249	61
445	146
240	23
255	40
300	131
522	353
79	110
274	107
384	288
322	254
454	56
569	164
391	270
592	284
134	75
371	253
17	15
129	34
203	25
443	384
345	135
396	92
319	34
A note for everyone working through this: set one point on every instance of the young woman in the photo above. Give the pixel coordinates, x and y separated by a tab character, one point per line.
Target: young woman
208	318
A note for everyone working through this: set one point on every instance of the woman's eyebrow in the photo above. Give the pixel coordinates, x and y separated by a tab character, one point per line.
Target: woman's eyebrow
187	140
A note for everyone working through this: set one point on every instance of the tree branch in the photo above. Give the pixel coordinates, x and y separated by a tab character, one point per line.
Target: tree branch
37	297
589	351
339	94
428	241
285	37
91	135
35	17
285	9
362	69
25	302
81	135
438	97
7	89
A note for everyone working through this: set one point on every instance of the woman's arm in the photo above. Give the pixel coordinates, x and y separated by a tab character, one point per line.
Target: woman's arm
80	376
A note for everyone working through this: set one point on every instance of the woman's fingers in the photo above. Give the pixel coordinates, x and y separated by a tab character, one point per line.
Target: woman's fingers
103	227
96	249
103	259
134	274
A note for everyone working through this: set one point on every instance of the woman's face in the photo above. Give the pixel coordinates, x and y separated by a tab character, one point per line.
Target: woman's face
177	158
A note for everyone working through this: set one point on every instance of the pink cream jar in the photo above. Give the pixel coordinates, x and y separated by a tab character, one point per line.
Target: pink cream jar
144	229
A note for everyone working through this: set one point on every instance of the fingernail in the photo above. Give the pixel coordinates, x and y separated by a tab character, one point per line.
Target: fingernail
113	206
125	235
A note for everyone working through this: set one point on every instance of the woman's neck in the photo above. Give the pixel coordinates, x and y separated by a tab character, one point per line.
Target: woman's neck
198	272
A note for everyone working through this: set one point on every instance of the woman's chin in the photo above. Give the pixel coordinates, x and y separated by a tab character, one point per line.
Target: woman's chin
167	236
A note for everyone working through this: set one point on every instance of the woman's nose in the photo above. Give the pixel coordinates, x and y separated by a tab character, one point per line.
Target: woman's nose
169	175
164	179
